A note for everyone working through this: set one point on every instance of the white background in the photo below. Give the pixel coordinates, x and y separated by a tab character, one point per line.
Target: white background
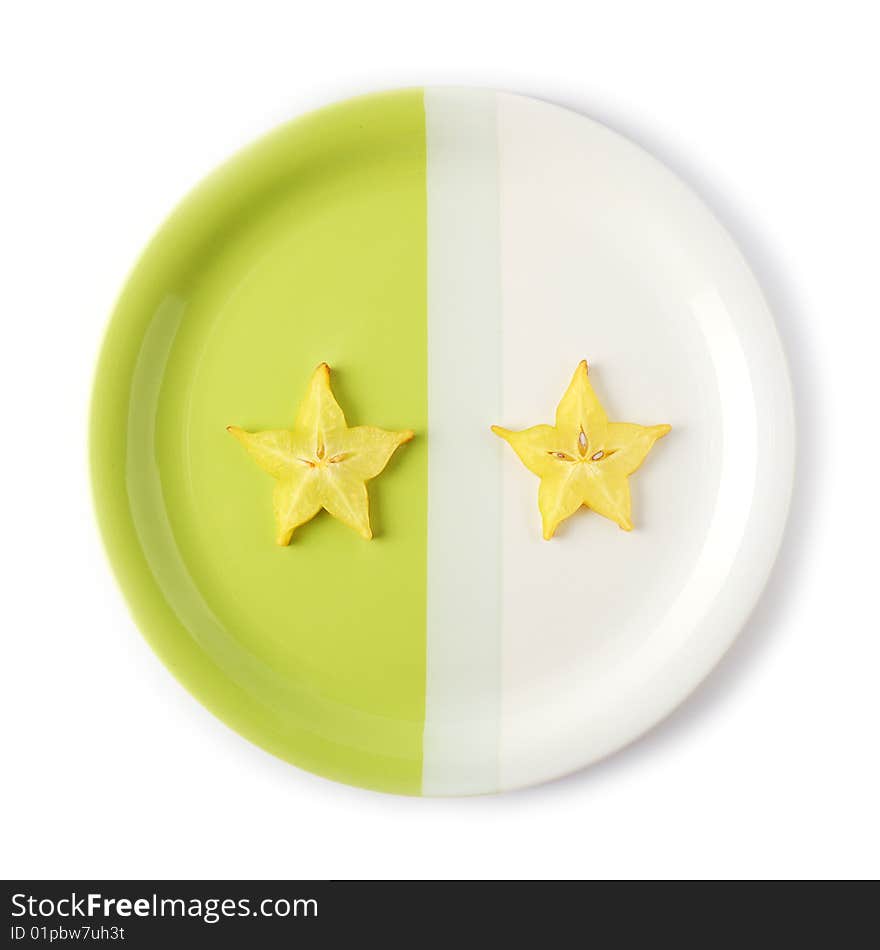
112	111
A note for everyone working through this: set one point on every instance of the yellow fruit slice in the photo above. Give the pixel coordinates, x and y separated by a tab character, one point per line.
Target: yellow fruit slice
583	460
321	462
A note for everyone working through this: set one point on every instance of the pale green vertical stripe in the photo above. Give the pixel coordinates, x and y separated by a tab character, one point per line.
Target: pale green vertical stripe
464	398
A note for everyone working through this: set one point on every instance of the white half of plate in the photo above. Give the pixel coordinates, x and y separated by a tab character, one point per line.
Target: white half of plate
551	239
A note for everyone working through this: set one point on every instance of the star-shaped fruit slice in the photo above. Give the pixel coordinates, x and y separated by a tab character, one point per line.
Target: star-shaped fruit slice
321	462
584	459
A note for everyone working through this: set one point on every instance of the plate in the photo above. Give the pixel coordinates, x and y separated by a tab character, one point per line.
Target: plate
452	254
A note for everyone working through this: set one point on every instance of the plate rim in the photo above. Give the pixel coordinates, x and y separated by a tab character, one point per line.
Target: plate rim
182	228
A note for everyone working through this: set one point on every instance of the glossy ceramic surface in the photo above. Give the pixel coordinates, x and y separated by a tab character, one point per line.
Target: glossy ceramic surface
452	254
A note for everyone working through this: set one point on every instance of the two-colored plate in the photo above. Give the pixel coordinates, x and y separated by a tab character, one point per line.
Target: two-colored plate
452	254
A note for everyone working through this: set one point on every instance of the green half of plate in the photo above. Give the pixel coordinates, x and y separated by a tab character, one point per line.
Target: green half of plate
308	246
